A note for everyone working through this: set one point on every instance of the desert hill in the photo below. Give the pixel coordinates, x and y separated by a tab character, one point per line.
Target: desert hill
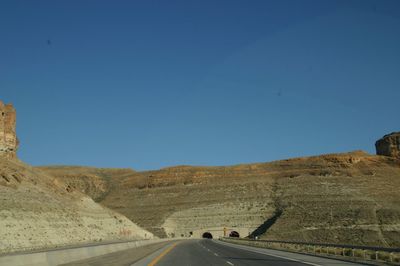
39	211
96	182
339	198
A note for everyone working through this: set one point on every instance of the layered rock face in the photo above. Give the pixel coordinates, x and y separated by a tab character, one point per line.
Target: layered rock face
389	145
8	137
38	211
339	198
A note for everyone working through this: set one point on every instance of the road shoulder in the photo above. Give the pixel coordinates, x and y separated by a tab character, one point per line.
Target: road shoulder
123	257
297	257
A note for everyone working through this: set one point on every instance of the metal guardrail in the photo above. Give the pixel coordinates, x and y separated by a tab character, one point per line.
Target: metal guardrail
325	245
355	252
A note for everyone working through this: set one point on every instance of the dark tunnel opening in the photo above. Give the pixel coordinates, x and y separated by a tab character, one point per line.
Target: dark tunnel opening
234	234
207	235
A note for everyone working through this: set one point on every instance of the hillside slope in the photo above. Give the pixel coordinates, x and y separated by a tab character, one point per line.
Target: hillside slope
95	182
339	198
39	211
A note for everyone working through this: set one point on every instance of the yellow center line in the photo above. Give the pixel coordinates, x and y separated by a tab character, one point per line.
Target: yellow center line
154	262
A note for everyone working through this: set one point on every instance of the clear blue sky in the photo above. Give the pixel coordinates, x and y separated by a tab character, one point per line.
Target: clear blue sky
148	84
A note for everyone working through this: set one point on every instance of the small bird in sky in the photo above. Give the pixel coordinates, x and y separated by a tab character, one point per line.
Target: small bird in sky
48	42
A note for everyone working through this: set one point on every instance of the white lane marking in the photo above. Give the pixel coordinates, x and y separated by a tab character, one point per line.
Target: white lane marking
281	257
216	254
230	263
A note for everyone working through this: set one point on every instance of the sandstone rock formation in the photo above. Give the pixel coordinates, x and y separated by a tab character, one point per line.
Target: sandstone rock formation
389	145
340	198
8	137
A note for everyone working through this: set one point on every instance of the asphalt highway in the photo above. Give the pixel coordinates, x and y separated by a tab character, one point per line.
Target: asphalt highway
212	252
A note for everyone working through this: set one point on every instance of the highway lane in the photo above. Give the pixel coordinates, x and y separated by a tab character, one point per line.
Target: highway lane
212	252
121	258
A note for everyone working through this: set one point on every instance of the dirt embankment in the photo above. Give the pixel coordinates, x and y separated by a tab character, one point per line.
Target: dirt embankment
40	211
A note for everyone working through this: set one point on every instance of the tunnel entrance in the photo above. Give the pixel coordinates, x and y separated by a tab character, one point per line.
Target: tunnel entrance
234	234
207	235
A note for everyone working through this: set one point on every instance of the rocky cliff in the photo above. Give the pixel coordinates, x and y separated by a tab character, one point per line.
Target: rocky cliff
8	136
389	145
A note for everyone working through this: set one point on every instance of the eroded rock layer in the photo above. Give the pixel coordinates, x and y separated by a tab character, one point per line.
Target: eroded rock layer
8	137
38	211
389	145
340	198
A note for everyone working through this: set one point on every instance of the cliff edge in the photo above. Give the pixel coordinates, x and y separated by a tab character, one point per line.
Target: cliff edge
389	145
8	137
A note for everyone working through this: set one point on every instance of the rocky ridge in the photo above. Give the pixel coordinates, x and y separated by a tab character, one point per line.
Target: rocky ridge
389	145
340	198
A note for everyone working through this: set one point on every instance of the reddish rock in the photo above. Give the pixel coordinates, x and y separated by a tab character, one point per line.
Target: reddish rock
8	136
389	145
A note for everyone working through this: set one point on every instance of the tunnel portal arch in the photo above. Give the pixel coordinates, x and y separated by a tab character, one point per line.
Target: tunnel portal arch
234	234
207	235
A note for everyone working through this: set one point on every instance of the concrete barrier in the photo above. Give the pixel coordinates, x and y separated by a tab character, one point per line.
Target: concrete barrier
60	256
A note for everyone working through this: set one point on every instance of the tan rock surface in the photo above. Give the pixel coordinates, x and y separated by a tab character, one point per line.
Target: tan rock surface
389	145
95	182
8	137
341	198
39	211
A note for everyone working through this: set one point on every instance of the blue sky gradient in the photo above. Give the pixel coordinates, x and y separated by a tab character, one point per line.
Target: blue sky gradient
149	84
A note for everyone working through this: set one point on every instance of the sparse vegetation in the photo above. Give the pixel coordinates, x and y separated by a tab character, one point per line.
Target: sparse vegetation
329	198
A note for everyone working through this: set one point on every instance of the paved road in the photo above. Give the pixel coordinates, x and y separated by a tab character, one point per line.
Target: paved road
212	252
122	257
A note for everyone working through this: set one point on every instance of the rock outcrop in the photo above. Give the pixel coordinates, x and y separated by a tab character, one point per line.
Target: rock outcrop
8	136
389	145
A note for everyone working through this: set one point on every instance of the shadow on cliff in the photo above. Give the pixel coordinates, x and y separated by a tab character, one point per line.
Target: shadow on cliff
267	224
